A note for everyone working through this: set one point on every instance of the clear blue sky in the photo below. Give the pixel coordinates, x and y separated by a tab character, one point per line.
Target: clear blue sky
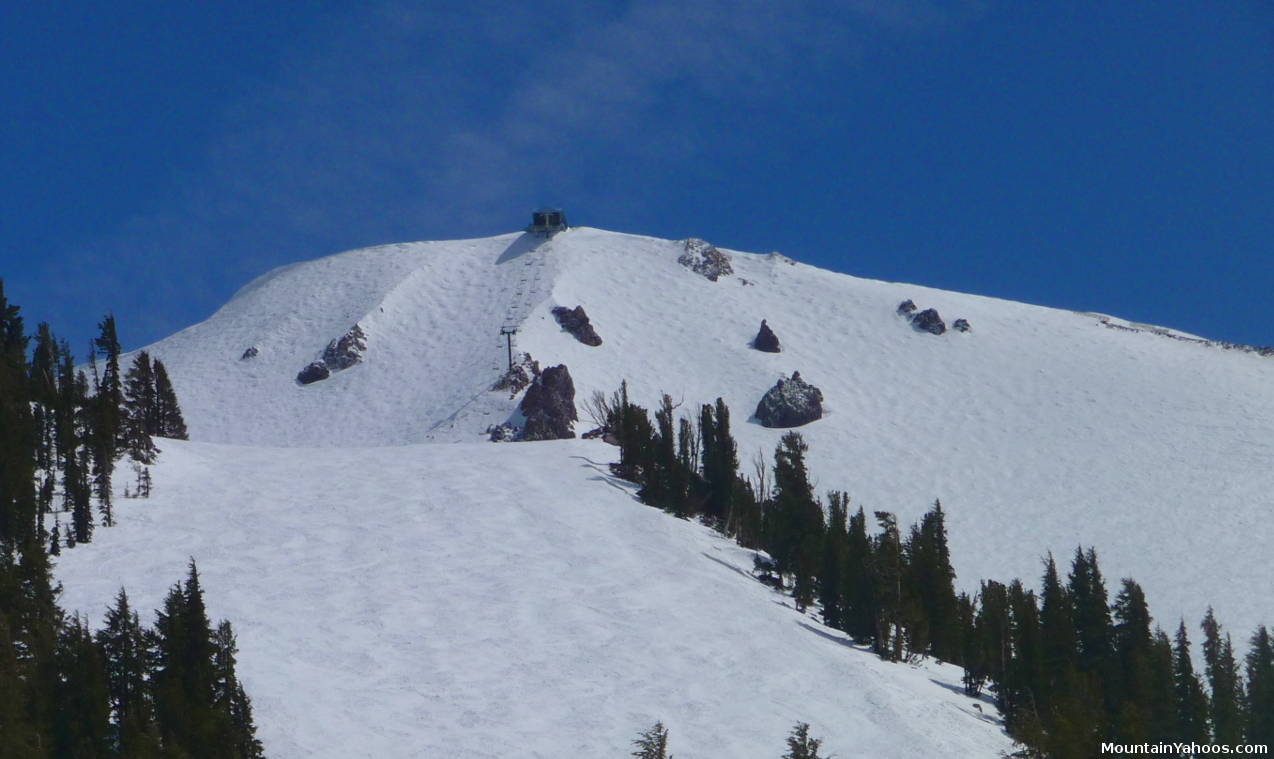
1106	156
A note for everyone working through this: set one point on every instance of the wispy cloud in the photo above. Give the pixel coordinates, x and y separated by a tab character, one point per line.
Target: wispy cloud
413	120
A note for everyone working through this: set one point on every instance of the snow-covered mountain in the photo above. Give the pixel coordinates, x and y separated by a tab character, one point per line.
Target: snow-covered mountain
512	600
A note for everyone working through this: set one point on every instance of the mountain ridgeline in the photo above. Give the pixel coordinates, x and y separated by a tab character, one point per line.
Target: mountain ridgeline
339	477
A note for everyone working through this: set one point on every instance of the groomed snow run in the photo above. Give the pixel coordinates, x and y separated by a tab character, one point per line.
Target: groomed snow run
486	600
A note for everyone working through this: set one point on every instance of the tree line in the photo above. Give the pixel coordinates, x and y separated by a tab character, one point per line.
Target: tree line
1067	666
169	691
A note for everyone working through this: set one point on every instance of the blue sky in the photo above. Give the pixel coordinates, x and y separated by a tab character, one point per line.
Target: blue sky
1114	157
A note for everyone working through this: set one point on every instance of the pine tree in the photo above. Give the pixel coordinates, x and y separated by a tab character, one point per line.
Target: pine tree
800	745
1130	693
1023	677
126	650
1162	702
235	726
18	734
1226	689
653	743
932	580
720	465
82	724
859	615
140	410
992	649
18	505
184	679
831	574
887	585
1092	613
1260	689
1192	703
169	421
794	519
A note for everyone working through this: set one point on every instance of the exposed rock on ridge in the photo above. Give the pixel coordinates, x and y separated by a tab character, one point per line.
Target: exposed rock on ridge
704	259
549	406
790	403
575	321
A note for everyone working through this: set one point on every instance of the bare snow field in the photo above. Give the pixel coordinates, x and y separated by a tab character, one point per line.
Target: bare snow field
402	588
482	600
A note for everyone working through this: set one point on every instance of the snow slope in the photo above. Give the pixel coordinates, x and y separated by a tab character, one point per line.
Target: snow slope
1040	430
481	600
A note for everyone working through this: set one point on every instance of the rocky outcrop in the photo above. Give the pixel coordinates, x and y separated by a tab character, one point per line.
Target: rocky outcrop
575	321
549	406
517	377
929	321
340	354
765	340
249	353
345	351
313	373
502	433
704	259
961	325
792	402
907	307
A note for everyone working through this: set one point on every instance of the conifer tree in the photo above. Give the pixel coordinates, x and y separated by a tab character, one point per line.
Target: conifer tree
184	681
1057	622
1162	703
1260	688
1023	677
17	432
653	743
126	650
794	519
82	723
932	580
992	649
800	745
1192	703
169	421
1224	683
887	584
1130	693
831	574
18	733
72	455
859	606
235	726
140	410
720	464
1092	612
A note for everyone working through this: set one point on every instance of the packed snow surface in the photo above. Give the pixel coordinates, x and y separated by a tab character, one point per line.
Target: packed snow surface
401	597
1040	430
482	600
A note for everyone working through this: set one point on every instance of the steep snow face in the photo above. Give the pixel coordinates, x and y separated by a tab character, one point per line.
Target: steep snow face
480	601
1039	429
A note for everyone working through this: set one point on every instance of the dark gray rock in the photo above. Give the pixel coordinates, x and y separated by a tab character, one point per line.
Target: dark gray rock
790	403
929	321
549	406
518	376
313	373
575	321
502	433
961	325
766	340
249	353
345	351
907	307
704	259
